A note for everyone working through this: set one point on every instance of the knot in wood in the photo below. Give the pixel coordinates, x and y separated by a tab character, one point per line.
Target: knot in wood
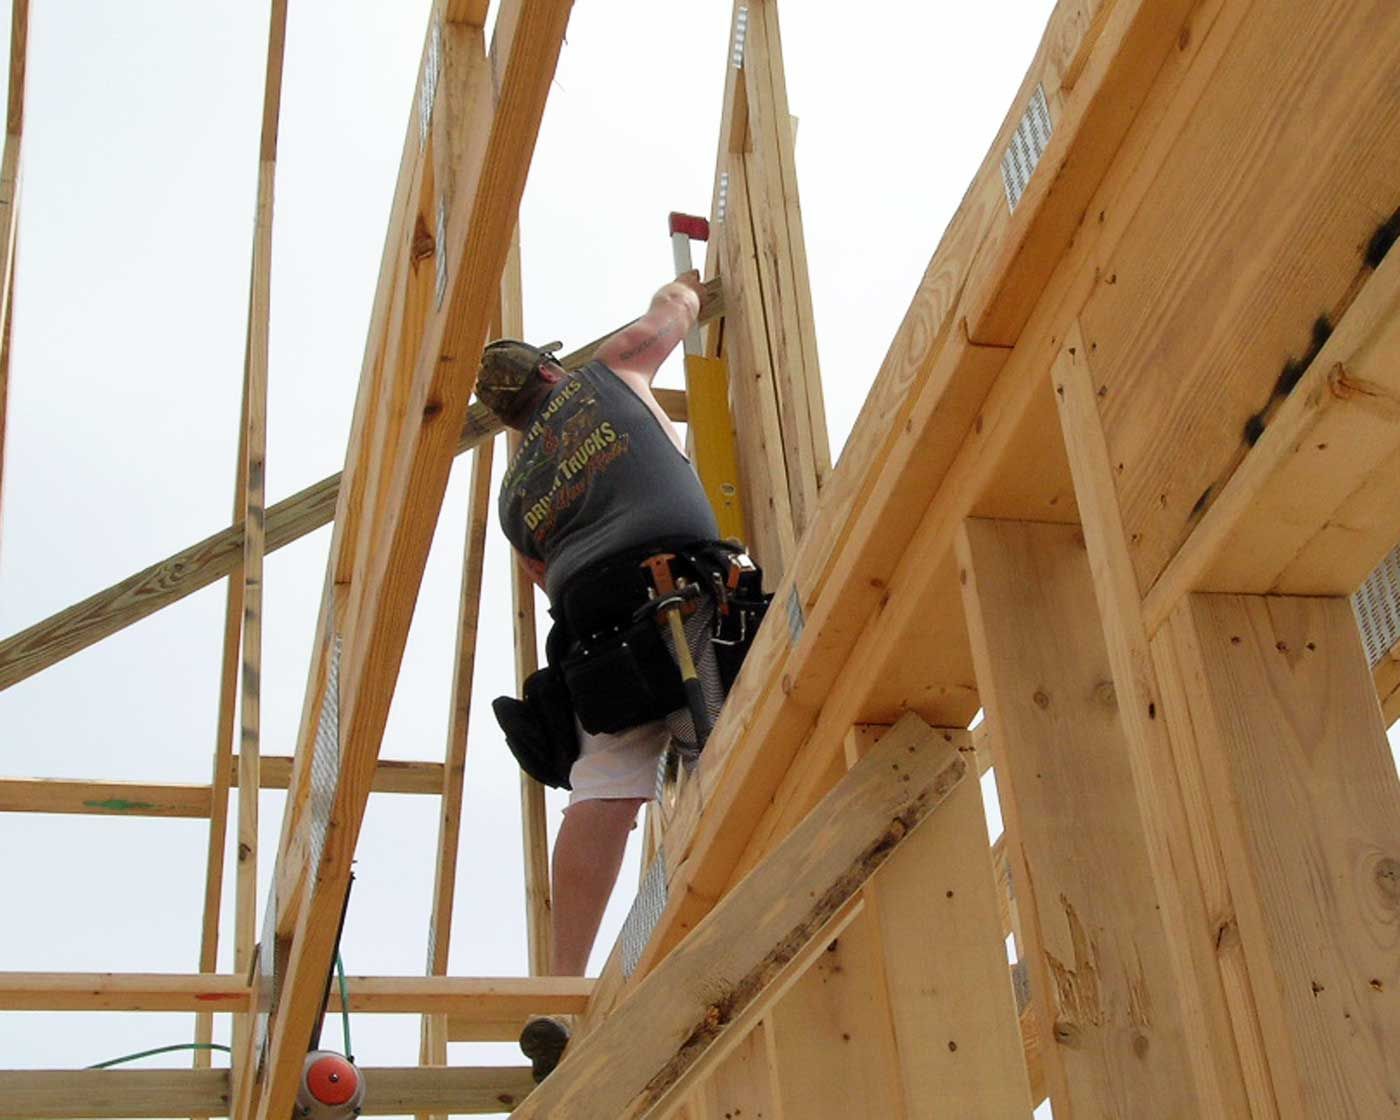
1387	877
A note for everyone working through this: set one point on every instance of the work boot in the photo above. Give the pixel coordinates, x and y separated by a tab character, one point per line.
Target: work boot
543	1041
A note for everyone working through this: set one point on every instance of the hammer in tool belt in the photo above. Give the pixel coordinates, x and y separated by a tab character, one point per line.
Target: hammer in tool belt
671	602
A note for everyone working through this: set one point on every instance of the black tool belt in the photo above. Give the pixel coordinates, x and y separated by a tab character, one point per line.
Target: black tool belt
607	663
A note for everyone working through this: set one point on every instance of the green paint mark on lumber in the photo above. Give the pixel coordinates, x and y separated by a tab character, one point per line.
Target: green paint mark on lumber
121	805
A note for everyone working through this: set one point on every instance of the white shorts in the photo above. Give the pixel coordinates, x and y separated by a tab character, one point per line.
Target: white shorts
620	765
624	764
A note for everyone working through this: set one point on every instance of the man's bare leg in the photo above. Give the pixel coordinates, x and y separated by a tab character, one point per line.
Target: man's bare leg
587	856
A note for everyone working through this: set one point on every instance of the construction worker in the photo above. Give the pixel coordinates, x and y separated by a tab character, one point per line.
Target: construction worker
605	512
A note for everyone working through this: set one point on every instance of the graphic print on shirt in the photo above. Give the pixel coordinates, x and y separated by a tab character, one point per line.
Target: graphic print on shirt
563	452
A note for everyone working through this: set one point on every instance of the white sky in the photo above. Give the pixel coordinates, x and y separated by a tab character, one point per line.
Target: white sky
139	176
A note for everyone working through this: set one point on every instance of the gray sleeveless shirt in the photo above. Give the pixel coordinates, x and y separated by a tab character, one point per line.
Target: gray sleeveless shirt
597	475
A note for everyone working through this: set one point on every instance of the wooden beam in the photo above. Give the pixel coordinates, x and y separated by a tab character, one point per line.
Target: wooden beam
1277	522
927	445
9	204
391	775
1191	890
630	1063
149	799
1304	793
148	1094
772	350
1269	241
401	449
122	799
144	1094
168	581
1095	941
434	1036
474	1003
534	831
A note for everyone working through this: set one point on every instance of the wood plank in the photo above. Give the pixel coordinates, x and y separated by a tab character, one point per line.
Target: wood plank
757	423
1266	233
472	1002
1270	525
743	1085
123	799
1095	942
785	352
832	1041
391	775
533	825
144	1094
115	1093
253	516
1307	801
74	628
9	204
434	1033
634	1058
151	799
372	614
954	1015
1191	890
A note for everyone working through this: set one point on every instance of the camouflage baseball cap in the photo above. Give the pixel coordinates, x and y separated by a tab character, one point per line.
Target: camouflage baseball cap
507	367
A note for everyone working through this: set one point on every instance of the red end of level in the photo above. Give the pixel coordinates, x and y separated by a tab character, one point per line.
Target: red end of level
695	228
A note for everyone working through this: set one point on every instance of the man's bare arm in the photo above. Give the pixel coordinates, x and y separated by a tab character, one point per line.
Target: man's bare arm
640	347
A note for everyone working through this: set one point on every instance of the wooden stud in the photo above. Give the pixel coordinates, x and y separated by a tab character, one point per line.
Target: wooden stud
1306	799
533	823
1192	891
372	613
433	1044
832	1041
1096	946
953	1013
743	1084
9	203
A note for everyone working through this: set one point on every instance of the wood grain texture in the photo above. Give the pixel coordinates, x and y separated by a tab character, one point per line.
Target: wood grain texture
1096	946
960	1048
743	1085
1255	228
434	1030
148	1094
1285	520
832	1041
123	799
1307	801
9	205
1194	901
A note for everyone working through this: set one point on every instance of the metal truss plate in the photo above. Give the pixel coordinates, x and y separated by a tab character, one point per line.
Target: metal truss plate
1027	145
1377	606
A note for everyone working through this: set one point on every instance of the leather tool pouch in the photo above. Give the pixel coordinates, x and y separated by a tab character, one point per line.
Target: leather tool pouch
623	679
539	728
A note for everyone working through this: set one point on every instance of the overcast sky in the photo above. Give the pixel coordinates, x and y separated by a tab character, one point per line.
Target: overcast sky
139	177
